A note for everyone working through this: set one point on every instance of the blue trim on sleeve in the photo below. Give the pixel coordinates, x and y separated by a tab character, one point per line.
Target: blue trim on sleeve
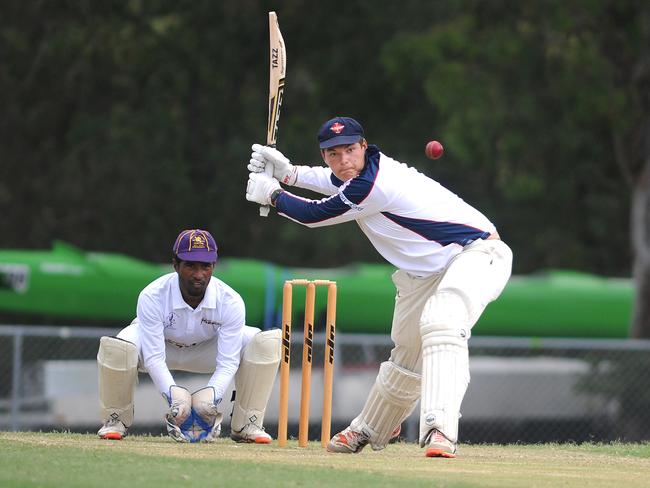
444	233
310	211
354	193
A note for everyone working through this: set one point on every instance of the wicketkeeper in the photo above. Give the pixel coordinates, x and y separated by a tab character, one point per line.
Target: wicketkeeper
189	320
450	264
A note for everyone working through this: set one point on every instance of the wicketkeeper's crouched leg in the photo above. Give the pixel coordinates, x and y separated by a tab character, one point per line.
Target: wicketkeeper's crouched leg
117	362
254	383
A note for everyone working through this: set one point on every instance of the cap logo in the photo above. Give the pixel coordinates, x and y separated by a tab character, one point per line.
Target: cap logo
198	242
337	128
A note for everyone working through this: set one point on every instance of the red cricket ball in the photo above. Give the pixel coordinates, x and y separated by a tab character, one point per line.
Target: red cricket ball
434	150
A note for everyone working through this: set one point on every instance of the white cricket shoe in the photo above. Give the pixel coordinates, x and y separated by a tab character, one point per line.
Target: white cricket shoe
348	441
439	446
251	433
353	441
112	429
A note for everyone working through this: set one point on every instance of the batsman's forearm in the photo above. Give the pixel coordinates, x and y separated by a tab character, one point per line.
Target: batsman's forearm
313	213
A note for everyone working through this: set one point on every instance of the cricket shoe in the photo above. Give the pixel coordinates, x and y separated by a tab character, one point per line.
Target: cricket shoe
112	429
351	441
393	438
251	433
348	441
439	446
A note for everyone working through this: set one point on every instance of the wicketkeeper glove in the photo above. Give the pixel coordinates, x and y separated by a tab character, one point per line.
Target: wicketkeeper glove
283	171
207	419
179	416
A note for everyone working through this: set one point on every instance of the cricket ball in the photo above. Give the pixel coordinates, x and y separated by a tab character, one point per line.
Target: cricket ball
433	150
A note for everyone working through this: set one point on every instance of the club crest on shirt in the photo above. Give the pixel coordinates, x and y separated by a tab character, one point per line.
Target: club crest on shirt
169	321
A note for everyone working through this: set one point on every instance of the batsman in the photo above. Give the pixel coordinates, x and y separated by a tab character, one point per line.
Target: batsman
450	260
191	321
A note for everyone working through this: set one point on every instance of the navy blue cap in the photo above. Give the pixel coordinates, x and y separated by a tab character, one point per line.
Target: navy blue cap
339	131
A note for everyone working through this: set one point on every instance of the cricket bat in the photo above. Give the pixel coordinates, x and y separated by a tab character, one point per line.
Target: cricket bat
277	72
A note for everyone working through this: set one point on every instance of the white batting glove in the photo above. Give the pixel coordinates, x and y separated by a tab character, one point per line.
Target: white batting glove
283	170
260	187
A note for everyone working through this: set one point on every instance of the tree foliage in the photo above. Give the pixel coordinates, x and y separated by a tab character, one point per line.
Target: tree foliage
123	122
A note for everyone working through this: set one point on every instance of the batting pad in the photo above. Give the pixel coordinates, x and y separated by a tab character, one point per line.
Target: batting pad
255	377
392	398
445	376
117	362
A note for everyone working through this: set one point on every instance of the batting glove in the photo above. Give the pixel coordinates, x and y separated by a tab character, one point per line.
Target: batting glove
283	170
260	187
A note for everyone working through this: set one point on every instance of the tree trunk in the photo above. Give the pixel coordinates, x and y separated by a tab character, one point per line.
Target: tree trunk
640	208
640	232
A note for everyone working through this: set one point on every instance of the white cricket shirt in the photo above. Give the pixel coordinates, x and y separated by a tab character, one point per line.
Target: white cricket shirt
415	223
163	315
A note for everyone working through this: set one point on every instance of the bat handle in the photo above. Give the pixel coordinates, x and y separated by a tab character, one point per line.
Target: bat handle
264	209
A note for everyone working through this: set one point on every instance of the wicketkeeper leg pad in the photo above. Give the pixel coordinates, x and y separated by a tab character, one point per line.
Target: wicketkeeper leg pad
117	362
445	363
255	377
392	398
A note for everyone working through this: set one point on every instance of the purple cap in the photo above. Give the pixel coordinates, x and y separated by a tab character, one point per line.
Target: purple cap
196	245
339	131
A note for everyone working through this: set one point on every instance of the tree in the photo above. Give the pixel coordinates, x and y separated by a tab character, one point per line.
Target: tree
547	105
123	122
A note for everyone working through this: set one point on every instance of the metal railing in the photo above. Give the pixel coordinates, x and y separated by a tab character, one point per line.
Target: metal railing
522	389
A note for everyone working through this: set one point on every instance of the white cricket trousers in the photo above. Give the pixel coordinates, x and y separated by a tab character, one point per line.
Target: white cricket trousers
199	358
480	271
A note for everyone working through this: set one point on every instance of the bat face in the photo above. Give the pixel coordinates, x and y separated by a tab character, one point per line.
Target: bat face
275	102
277	72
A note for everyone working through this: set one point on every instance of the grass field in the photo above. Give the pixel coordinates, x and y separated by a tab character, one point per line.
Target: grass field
83	460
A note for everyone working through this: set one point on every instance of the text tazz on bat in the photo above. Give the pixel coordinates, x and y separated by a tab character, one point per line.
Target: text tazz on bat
274	57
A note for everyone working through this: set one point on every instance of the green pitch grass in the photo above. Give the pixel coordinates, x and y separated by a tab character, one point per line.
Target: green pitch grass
83	460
